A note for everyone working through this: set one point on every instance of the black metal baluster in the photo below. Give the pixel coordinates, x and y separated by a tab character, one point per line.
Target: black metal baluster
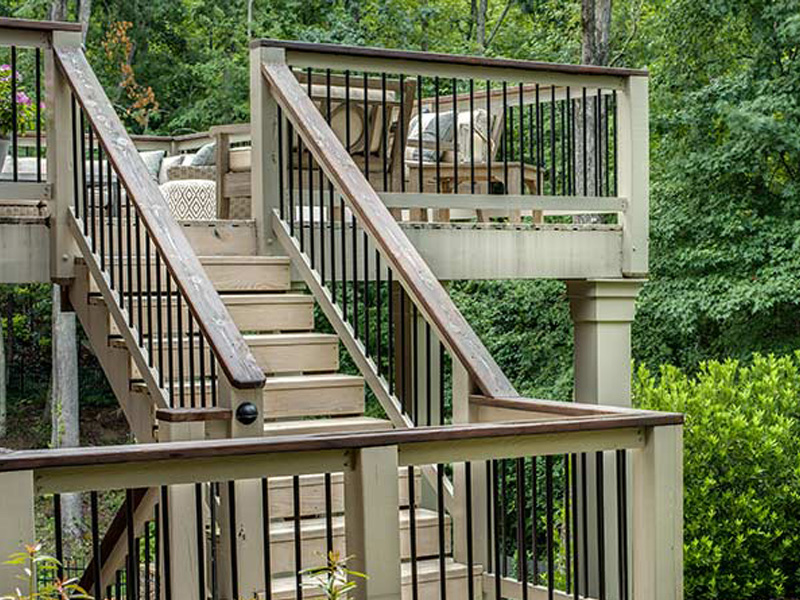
539	151
232	535
213	497
521	93
522	556
132	566
576	571
400	132
469	532
598	144
567	521
84	195
412	532
490	139
331	209
550	525
496	534
298	541
584	134
101	207
281	149
149	284
201	351
502	518
441	531
384	134
534	518
290	139
471	136
300	208
428	395
437	160
139	291
585	520
159	320
622	523
129	241
328	513
157	551
455	136
420	175
165	543
199	524
92	190
212	370
95	526
170	335
110	192
59	537
181	346
311	162
75	163
616	164
601	531
390	329
190	335
506	135
266	537
553	172
121	259
38	84
14	117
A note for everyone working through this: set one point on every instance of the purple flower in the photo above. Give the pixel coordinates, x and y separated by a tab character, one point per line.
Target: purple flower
22	98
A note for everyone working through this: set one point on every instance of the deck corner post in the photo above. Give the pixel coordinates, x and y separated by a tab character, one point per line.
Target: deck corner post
60	165
16	524
657	533
264	117
633	173
372	526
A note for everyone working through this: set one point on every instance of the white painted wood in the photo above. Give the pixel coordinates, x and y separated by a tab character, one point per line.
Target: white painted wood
59	159
29	190
372	530
634	174
264	148
657	544
24	250
16	524
332	425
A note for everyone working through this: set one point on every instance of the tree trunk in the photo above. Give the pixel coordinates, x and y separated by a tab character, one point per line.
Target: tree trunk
250	18
481	22
595	48
84	14
58	10
64	402
3	397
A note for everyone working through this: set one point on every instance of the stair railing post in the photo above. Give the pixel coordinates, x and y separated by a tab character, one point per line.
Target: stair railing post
182	534
246	533
463	387
16	525
372	522
264	188
60	167
657	533
633	171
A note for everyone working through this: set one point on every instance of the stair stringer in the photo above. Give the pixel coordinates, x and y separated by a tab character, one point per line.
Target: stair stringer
115	362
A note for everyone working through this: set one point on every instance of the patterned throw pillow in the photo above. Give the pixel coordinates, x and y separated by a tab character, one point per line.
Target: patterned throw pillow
191	199
169	161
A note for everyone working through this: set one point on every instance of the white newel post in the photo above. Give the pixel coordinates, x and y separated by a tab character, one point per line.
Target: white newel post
60	167
16	526
657	544
372	522
602	313
264	148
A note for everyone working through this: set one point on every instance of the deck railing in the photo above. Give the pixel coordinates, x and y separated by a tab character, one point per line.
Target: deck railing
105	208
213	521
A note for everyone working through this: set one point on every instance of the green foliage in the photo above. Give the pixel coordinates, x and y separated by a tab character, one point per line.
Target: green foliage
22	103
741	473
37	572
334	580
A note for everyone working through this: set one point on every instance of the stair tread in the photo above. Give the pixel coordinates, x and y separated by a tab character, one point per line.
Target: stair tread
244	259
335	424
288	339
316	526
285	382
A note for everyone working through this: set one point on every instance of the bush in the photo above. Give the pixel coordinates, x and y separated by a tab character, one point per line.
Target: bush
742	473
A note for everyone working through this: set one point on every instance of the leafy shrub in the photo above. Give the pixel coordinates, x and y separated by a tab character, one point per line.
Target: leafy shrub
742	473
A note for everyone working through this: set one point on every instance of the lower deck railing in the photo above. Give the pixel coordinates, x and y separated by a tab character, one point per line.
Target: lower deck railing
540	507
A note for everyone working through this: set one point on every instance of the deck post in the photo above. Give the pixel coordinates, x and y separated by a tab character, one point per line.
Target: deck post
602	312
182	518
264	118
372	522
633	172
246	532
463	387
657	545
60	165
16	525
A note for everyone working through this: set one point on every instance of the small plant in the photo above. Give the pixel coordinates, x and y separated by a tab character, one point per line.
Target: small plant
334	580
32	563
25	107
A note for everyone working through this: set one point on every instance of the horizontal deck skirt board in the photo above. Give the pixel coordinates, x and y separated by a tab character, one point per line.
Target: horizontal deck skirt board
29	191
595	204
53	460
402	56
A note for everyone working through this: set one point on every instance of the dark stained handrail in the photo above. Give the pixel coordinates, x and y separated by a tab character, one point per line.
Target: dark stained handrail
448	59
213	319
418	278
165	451
33	25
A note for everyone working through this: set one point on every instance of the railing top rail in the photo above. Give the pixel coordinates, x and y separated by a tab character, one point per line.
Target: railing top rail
212	317
447	59
453	434
33	25
415	274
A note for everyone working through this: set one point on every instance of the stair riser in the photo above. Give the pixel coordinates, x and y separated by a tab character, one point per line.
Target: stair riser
318	401
226	278
301	357
261	318
298	357
314	545
312	494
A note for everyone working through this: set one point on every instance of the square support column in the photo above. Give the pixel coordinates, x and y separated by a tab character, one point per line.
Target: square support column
602	312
